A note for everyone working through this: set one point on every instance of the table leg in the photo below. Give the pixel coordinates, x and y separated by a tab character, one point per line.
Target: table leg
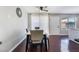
45	42
27	41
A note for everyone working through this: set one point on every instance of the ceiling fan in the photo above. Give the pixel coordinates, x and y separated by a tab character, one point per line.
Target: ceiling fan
42	8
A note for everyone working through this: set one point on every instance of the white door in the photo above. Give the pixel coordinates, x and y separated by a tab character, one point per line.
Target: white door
54	25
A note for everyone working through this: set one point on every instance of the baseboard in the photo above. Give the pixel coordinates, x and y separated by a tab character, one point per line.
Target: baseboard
75	41
17	44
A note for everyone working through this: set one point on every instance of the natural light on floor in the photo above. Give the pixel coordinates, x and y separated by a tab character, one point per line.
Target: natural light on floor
64	45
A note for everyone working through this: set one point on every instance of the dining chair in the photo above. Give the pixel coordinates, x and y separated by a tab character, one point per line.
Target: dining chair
37	38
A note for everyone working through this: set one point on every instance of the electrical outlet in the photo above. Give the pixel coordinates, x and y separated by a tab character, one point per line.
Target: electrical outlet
0	42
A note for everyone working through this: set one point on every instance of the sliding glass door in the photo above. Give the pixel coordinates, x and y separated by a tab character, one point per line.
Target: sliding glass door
66	23
35	21
40	20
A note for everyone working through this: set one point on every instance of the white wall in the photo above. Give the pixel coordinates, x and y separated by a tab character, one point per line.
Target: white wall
54	25
12	28
73	34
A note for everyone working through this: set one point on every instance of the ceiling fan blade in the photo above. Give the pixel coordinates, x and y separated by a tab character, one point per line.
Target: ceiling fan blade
42	8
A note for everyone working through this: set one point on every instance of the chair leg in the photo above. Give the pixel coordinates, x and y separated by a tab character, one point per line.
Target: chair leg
27	43
26	46
41	47
45	44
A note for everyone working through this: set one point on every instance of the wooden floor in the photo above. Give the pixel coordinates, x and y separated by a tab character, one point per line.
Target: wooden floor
62	44
57	44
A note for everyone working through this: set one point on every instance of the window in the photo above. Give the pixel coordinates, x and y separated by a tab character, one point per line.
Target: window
34	21
71	22
63	23
68	22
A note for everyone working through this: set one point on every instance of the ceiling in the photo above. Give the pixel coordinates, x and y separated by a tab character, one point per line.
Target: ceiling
55	9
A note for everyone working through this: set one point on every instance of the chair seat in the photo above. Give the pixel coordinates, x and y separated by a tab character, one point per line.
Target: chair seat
36	41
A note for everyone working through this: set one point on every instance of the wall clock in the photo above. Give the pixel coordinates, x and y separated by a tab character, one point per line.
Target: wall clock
18	12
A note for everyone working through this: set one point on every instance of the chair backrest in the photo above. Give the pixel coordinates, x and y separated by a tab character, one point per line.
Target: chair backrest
36	36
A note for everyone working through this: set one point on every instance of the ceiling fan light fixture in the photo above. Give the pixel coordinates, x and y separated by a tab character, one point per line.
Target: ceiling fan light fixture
41	8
